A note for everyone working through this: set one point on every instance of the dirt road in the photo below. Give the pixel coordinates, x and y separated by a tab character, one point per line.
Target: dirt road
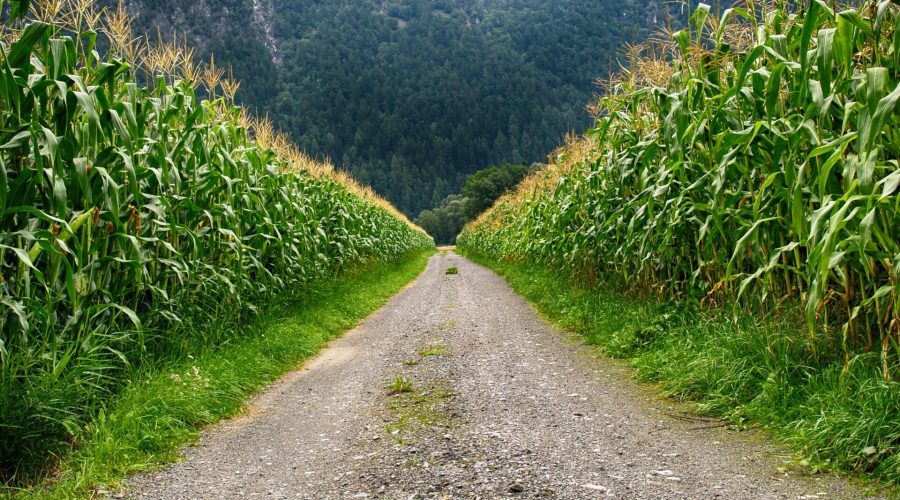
457	389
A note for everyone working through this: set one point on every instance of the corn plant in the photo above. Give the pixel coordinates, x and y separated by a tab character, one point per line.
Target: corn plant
136	219
750	158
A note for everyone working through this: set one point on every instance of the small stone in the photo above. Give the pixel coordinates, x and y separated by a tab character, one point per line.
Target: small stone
595	487
516	487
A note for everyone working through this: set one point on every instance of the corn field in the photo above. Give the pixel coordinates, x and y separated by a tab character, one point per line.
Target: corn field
135	217
749	159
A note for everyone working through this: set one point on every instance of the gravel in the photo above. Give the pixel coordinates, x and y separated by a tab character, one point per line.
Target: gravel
502	405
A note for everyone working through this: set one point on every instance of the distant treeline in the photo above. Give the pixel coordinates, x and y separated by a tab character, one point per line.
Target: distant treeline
479	192
412	96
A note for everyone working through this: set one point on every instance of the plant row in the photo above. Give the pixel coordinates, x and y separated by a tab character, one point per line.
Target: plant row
138	221
749	161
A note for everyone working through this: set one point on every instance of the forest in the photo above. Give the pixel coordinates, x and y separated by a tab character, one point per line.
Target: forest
412	96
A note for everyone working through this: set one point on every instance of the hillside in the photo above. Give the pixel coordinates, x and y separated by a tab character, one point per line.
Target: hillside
411	96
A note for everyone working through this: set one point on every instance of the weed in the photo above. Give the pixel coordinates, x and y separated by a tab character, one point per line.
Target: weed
417	409
435	350
448	325
400	385
452	270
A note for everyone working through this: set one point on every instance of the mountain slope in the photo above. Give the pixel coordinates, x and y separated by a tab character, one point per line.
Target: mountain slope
412	95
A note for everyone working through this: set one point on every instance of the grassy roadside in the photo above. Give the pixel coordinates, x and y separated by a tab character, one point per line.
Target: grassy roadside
161	410
753	371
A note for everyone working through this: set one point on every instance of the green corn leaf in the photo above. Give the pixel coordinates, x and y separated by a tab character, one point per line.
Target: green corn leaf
701	13
890	183
4	185
825	64
20	139
883	111
18	310
21	50
22	255
773	89
87	104
810	23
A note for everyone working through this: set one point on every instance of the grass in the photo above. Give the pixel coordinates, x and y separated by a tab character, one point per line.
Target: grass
452	270
435	350
448	325
400	385
752	370
417	409
143	428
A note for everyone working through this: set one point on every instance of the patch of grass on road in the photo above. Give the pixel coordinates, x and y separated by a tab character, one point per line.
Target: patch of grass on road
759	370
452	270
400	385
434	350
143	428
448	325
416	410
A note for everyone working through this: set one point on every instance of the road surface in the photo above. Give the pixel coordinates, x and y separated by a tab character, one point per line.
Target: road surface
458	389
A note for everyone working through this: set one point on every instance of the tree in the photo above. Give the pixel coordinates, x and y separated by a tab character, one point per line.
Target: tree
483	187
480	190
444	222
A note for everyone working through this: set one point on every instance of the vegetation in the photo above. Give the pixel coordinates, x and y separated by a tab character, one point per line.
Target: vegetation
144	426
410	96
452	270
747	163
140	225
446	220
417	410
435	350
400	385
752	372
479	192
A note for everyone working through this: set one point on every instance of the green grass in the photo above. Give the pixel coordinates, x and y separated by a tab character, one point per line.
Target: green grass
435	350
452	270
417	409
754	371
400	385
448	325
161	410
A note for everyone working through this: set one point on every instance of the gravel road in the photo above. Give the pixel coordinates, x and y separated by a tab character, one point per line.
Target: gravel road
498	403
